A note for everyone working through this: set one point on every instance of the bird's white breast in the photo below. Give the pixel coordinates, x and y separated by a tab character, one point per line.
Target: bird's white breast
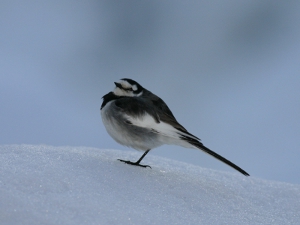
111	125
126	134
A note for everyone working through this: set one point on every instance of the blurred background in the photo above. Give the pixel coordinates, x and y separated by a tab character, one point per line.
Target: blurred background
229	71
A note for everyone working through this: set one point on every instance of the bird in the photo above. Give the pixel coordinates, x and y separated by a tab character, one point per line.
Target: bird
135	117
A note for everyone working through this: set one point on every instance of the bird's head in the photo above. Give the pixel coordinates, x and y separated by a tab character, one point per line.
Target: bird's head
128	87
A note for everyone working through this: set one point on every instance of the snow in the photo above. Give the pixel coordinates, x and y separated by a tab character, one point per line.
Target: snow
79	185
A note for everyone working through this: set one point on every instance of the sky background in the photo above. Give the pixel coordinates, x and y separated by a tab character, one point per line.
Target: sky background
229	72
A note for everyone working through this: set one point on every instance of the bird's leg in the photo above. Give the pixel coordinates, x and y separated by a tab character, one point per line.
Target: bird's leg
137	163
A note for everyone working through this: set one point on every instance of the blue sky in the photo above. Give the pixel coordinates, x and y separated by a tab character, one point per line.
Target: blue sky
229	72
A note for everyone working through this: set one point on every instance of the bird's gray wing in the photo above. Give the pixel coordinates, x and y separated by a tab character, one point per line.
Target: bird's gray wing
160	105
136	107
173	122
157	103
164	113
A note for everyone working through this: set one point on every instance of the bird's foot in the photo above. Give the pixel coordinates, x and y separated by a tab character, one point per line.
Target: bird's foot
134	163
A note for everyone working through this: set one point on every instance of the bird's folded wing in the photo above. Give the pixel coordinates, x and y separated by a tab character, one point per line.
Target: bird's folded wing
140	112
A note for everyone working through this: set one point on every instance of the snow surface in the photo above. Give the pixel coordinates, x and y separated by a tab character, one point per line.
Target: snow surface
80	185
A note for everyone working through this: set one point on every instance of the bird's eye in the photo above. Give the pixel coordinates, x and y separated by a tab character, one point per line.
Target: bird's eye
128	89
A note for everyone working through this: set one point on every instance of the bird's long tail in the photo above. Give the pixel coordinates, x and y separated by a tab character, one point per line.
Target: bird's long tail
200	146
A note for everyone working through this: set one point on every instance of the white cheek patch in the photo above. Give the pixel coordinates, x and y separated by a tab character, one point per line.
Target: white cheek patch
134	87
119	92
125	84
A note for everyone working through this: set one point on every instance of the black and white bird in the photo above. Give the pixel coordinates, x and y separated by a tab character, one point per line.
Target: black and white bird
135	117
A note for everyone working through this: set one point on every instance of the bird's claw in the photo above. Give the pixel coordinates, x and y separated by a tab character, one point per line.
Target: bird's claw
134	163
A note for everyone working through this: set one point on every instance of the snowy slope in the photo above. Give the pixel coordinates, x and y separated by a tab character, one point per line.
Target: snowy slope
80	185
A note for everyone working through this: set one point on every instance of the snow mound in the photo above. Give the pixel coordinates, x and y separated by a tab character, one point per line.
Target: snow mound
80	185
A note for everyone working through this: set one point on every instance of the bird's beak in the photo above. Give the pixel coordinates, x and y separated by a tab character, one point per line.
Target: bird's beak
118	85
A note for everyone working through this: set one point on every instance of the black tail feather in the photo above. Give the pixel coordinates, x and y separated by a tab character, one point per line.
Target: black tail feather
212	153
